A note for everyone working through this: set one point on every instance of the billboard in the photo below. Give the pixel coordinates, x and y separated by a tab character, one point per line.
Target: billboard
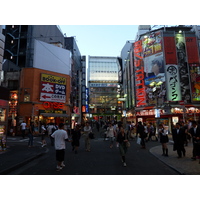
139	75
170	50
194	67
183	67
173	83
52	58
53	88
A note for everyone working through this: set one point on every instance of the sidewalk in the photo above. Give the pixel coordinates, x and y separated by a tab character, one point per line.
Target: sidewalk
182	165
18	153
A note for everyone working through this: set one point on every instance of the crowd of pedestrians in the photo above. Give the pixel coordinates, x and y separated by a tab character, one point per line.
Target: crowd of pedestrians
118	134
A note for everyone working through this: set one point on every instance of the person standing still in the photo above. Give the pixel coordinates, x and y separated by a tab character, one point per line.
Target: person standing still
87	129
23	129
60	136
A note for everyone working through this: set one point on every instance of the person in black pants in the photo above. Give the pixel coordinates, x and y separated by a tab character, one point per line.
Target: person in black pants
178	135
194	132
143	135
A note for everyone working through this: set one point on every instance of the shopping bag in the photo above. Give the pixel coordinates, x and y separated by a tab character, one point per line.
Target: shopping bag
138	140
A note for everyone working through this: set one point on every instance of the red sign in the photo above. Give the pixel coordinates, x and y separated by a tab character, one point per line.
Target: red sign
192	50
54	105
139	74
170	50
181	103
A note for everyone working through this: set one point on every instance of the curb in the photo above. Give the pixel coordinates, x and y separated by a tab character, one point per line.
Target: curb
18	165
180	173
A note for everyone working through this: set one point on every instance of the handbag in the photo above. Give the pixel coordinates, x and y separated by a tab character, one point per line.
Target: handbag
91	135
138	140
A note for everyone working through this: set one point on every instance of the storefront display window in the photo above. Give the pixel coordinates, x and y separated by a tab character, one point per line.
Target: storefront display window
2	138
2	115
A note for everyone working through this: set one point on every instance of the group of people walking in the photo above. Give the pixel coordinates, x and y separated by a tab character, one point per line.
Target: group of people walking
117	132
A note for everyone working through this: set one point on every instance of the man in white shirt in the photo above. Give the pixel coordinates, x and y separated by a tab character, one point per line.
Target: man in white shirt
23	129
60	136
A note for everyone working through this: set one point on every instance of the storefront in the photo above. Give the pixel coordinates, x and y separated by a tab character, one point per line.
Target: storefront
44	97
4	107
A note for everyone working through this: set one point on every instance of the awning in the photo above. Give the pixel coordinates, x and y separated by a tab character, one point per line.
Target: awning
54	115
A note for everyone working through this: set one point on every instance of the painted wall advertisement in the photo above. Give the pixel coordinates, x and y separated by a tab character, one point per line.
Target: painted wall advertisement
53	88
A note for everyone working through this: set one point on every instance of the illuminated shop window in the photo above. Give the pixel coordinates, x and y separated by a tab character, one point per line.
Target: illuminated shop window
26	97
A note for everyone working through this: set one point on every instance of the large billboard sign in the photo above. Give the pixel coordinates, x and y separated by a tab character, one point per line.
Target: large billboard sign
173	83
53	88
139	73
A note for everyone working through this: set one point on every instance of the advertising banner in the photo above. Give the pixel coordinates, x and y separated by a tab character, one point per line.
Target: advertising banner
192	50
170	50
139	75
53	88
183	67
173	83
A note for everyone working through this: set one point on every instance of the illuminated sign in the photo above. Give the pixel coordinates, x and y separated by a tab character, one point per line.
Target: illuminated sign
54	105
173	83
53	88
139	73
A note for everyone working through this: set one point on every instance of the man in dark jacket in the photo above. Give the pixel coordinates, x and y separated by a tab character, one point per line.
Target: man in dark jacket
140	130
178	135
195	133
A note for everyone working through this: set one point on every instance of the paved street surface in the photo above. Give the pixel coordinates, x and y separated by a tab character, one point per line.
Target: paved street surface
100	161
19	159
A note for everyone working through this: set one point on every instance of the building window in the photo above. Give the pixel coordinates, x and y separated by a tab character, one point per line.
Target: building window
26	97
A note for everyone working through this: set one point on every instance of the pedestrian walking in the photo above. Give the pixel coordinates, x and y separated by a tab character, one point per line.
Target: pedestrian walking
43	133
178	135
110	134
151	132
76	135
60	137
50	129
23	129
142	134
122	139
30	134
87	130
163	135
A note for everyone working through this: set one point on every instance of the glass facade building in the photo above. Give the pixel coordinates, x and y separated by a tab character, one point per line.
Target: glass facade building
103	87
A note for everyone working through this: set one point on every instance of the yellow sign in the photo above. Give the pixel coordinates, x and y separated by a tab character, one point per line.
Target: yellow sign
53	79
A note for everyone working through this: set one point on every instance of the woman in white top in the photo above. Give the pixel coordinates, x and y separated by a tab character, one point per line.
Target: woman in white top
87	129
110	134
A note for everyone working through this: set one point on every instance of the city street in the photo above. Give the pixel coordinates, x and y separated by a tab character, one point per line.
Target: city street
100	161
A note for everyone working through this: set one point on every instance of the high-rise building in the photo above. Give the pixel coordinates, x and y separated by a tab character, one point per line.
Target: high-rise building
103	83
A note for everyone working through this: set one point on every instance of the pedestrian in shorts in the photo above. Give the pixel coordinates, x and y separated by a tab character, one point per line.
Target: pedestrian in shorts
60	137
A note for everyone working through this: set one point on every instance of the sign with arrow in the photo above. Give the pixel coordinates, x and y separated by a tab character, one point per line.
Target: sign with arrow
53	88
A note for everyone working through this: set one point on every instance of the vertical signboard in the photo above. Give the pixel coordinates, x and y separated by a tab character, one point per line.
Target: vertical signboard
192	50
170	50
87	100
193	62
154	66
183	67
139	75
53	88
173	83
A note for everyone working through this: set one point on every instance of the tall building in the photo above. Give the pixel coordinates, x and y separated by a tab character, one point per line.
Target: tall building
103	87
37	71
78	81
166	75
